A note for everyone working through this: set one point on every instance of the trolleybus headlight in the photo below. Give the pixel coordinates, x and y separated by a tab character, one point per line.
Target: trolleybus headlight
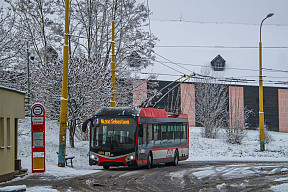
93	156
130	157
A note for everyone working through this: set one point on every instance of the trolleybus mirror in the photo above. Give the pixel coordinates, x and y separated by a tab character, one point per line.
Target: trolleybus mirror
84	125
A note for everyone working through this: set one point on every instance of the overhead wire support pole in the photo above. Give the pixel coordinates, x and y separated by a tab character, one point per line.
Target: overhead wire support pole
261	108
112	100
64	99
28	77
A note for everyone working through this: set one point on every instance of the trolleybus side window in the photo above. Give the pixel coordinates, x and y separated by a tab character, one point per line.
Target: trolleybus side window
170	135
177	134
164	135
157	135
183	134
150	135
142	135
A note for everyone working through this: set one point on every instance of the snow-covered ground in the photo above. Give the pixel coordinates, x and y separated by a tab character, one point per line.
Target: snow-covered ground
201	149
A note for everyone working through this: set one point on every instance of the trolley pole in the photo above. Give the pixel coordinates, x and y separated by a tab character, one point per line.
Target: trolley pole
64	100
112	101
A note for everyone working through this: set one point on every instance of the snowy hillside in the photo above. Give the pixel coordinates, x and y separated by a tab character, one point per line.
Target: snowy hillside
201	149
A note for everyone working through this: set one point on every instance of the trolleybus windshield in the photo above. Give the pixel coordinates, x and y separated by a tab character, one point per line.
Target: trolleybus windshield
114	135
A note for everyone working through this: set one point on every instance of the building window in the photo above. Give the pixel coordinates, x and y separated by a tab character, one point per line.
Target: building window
8	132
1	132
218	63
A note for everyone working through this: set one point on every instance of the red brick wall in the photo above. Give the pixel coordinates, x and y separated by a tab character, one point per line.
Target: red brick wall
283	109
139	92
236	106
188	102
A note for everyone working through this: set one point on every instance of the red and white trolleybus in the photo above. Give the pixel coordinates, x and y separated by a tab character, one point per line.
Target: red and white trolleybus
126	136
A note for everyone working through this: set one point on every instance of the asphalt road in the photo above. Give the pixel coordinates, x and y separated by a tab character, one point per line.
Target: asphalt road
187	176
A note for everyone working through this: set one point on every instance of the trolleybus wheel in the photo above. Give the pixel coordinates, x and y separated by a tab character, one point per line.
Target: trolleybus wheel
106	166
176	158
149	161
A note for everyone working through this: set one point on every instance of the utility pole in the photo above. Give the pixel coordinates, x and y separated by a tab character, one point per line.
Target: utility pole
64	99
112	101
261	110
28	77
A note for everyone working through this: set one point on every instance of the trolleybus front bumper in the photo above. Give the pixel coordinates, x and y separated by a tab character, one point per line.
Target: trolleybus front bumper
102	160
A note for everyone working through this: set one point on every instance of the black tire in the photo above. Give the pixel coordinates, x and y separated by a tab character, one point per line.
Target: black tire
106	166
149	161
176	158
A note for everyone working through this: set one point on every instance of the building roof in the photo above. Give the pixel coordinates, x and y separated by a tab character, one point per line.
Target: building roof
187	47
11	89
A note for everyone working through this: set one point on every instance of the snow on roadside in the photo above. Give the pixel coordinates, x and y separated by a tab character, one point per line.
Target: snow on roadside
204	149
81	151
280	188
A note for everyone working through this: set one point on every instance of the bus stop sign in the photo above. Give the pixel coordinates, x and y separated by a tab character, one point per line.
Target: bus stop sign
38	138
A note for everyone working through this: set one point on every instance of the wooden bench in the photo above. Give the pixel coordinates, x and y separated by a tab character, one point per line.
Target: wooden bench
68	158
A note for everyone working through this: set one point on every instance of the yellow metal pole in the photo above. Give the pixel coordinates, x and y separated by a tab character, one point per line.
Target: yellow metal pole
112	101
261	108
261	111
64	100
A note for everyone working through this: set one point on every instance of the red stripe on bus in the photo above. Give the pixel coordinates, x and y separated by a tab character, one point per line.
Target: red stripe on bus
121	159
165	148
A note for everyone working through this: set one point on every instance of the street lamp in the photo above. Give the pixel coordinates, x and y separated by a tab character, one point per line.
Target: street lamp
31	57
261	112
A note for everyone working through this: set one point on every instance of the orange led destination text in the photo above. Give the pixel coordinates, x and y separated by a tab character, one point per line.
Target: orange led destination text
114	121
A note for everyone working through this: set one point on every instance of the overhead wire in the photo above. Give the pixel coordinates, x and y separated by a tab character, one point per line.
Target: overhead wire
242	69
230	79
203	22
219	46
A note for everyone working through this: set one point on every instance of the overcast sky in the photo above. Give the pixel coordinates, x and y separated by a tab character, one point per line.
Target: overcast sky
234	11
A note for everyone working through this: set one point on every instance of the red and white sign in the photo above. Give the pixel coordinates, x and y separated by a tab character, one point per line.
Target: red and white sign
38	137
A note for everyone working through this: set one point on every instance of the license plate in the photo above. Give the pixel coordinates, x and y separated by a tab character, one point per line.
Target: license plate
107	153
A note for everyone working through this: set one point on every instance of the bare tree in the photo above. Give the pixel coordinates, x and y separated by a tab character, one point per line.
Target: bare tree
88	90
91	30
10	43
34	22
211	104
235	132
40	23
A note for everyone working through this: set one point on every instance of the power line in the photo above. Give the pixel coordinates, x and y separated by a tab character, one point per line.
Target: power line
203	22
228	79
173	62
199	65
164	74
219	47
233	79
275	70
